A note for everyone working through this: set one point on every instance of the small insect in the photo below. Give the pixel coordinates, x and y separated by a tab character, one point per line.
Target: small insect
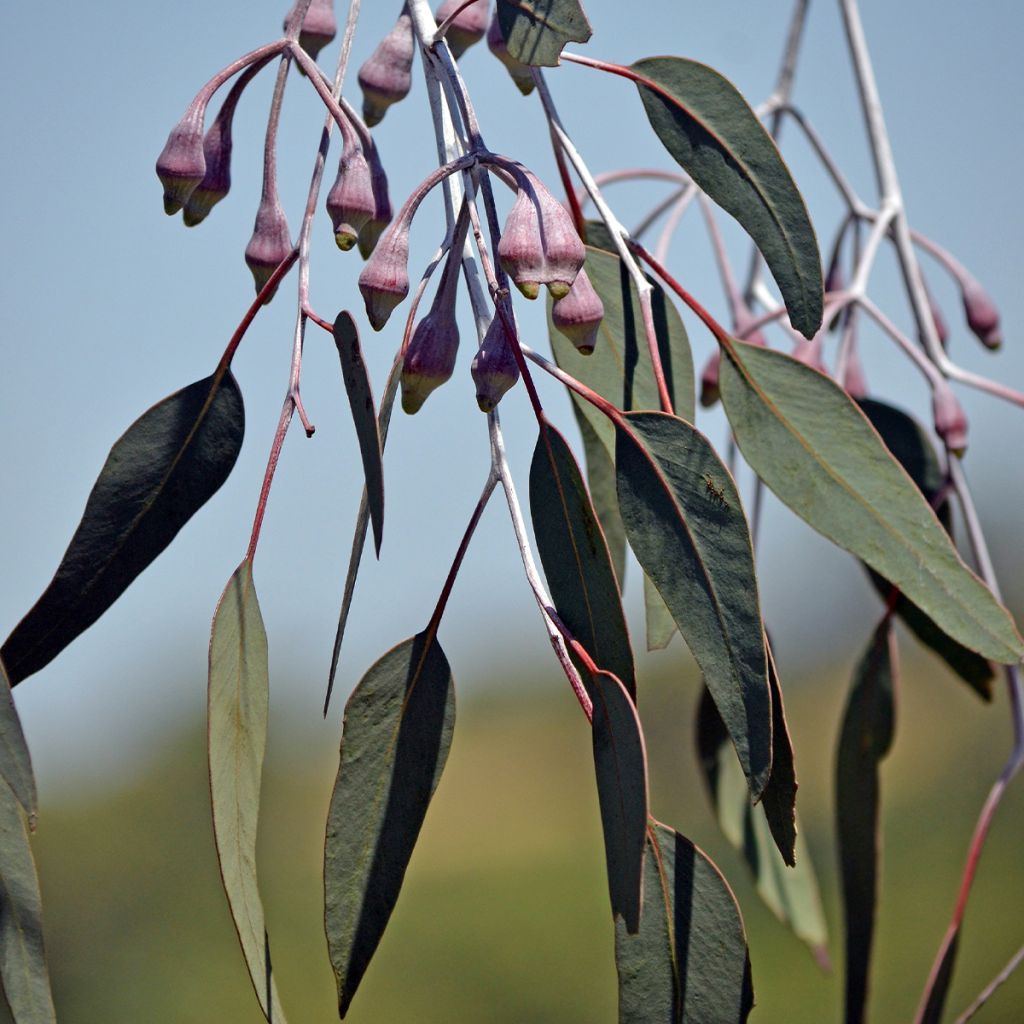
715	493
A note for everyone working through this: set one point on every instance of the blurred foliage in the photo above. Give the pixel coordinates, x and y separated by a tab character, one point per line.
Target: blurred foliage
504	915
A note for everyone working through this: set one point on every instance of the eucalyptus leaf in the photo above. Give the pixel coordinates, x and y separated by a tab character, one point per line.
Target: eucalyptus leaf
535	31
15	762
779	798
161	471
685	523
661	627
238	698
710	130
601	481
688	963
808	441
397	733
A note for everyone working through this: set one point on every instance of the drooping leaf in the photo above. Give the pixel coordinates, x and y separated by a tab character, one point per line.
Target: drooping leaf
398	730
688	964
15	762
814	448
620	762
790	893
238	698
163	469
661	627
23	971
536	30
684	522
601	480
575	558
909	442
779	798
360	400
710	130
864	740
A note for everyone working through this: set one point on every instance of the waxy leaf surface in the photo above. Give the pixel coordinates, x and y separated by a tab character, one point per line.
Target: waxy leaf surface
718	140
620	762
864	740
685	524
576	559
814	448
688	964
661	627
163	469
537	30
397	733
360	400
238	698
15	762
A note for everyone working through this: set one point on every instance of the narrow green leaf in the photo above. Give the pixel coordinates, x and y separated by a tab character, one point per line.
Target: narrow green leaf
779	798
398	730
537	30
575	557
909	443
808	441
360	400
661	627
15	762
864	740
238	698
163	469
23	971
790	893
685	523
710	130
620	762
688	964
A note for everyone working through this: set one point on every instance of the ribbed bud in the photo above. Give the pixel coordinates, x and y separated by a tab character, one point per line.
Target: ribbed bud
467	28
386	77
217	179
384	281
519	72
578	315
319	27
950	420
982	315
374	227
539	244
270	243
709	390
494	367
351	201
430	358
181	166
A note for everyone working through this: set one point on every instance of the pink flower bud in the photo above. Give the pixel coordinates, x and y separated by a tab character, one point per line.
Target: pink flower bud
430	358
950	420
941	327
351	202
467	28
709	390
217	179
319	27
270	243
386	77
374	227
384	281
982	315
578	314
854	382
519	72
181	166
494	367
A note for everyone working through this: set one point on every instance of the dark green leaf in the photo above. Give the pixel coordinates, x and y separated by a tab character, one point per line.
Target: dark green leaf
931	1012
621	765
814	448
597	235
779	798
360	400
601	480
684	522
163	469
688	964
909	442
661	627
238	697
575	558
864	740
15	762
26	980
398	729
536	30
717	139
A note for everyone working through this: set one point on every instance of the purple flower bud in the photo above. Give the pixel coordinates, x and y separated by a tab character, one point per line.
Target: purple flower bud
982	315
468	26
519	72
217	179
854	381
941	328
386	77
578	315
270	243
384	281
494	367
181	166
351	202
430	358
709	390
374	227
319	27
950	420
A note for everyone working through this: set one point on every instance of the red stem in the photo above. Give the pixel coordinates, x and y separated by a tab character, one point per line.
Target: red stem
268	477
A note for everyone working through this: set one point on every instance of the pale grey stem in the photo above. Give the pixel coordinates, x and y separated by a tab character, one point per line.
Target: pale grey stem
920	360
990	988
686	197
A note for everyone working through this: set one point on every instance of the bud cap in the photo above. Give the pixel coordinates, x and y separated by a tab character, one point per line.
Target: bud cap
578	314
181	166
386	77
494	367
384	281
270	243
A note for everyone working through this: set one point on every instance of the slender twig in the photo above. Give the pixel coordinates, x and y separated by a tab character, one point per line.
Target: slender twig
990	988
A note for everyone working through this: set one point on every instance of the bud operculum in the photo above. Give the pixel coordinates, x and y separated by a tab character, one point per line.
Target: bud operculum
494	367
950	419
982	315
351	202
181	166
468	26
578	314
386	77
384	281
270	243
